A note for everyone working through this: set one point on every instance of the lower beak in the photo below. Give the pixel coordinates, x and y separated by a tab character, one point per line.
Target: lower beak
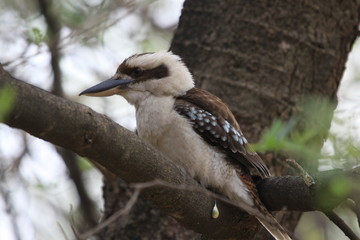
107	88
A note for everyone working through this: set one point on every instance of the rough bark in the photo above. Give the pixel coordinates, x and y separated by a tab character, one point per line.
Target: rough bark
78	128
263	58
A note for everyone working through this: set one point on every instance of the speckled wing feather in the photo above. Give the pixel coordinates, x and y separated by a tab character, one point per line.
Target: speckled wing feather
216	124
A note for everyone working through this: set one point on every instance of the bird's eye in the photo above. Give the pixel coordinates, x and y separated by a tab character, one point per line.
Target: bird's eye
137	72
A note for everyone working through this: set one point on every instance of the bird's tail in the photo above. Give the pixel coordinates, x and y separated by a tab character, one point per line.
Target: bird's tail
275	230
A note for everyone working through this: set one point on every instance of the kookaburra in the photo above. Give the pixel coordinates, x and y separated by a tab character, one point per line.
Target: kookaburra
192	127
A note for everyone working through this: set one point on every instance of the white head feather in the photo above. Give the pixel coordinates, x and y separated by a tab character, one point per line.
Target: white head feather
178	81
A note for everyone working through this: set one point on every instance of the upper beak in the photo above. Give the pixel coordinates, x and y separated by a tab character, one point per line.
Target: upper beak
107	88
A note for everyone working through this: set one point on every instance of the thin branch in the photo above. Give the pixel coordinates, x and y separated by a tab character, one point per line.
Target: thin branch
102	23
17	160
53	33
354	205
124	211
357	211
308	179
6	196
342	225
87	206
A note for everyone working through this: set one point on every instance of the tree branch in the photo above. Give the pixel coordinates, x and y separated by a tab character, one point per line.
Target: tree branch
89	134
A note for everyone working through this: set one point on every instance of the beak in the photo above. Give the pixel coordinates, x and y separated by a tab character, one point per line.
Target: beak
107	88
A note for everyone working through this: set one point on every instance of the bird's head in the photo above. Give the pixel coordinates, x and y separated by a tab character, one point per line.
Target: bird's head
159	73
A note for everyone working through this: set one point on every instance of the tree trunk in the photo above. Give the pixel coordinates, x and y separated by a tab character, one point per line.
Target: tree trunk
262	58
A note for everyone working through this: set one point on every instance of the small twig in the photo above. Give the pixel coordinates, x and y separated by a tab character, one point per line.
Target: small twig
354	205
308	180
73	224
63	231
357	211
342	225
5	194
124	211
17	160
101	23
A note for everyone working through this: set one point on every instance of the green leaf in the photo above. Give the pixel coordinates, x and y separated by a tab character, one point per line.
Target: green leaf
84	164
340	186
301	136
7	100
36	36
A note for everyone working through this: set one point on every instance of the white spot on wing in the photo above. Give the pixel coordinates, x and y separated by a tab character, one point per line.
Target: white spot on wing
226	126
235	137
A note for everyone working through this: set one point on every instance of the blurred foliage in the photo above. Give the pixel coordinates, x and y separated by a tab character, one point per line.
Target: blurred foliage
335	185
7	100
36	36
346	151
72	14
339	186
302	136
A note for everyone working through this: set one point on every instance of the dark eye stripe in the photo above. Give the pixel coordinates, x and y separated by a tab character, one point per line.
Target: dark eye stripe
136	72
139	74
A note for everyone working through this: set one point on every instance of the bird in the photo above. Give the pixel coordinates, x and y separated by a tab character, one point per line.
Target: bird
191	127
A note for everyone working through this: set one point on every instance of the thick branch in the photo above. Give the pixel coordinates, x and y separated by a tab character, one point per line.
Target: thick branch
80	129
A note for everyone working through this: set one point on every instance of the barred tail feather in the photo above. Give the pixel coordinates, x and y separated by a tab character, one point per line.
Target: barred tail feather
276	231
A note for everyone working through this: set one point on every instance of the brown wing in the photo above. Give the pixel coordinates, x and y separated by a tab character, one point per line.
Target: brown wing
216	124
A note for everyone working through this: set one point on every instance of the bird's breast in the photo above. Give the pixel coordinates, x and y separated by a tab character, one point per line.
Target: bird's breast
161	126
